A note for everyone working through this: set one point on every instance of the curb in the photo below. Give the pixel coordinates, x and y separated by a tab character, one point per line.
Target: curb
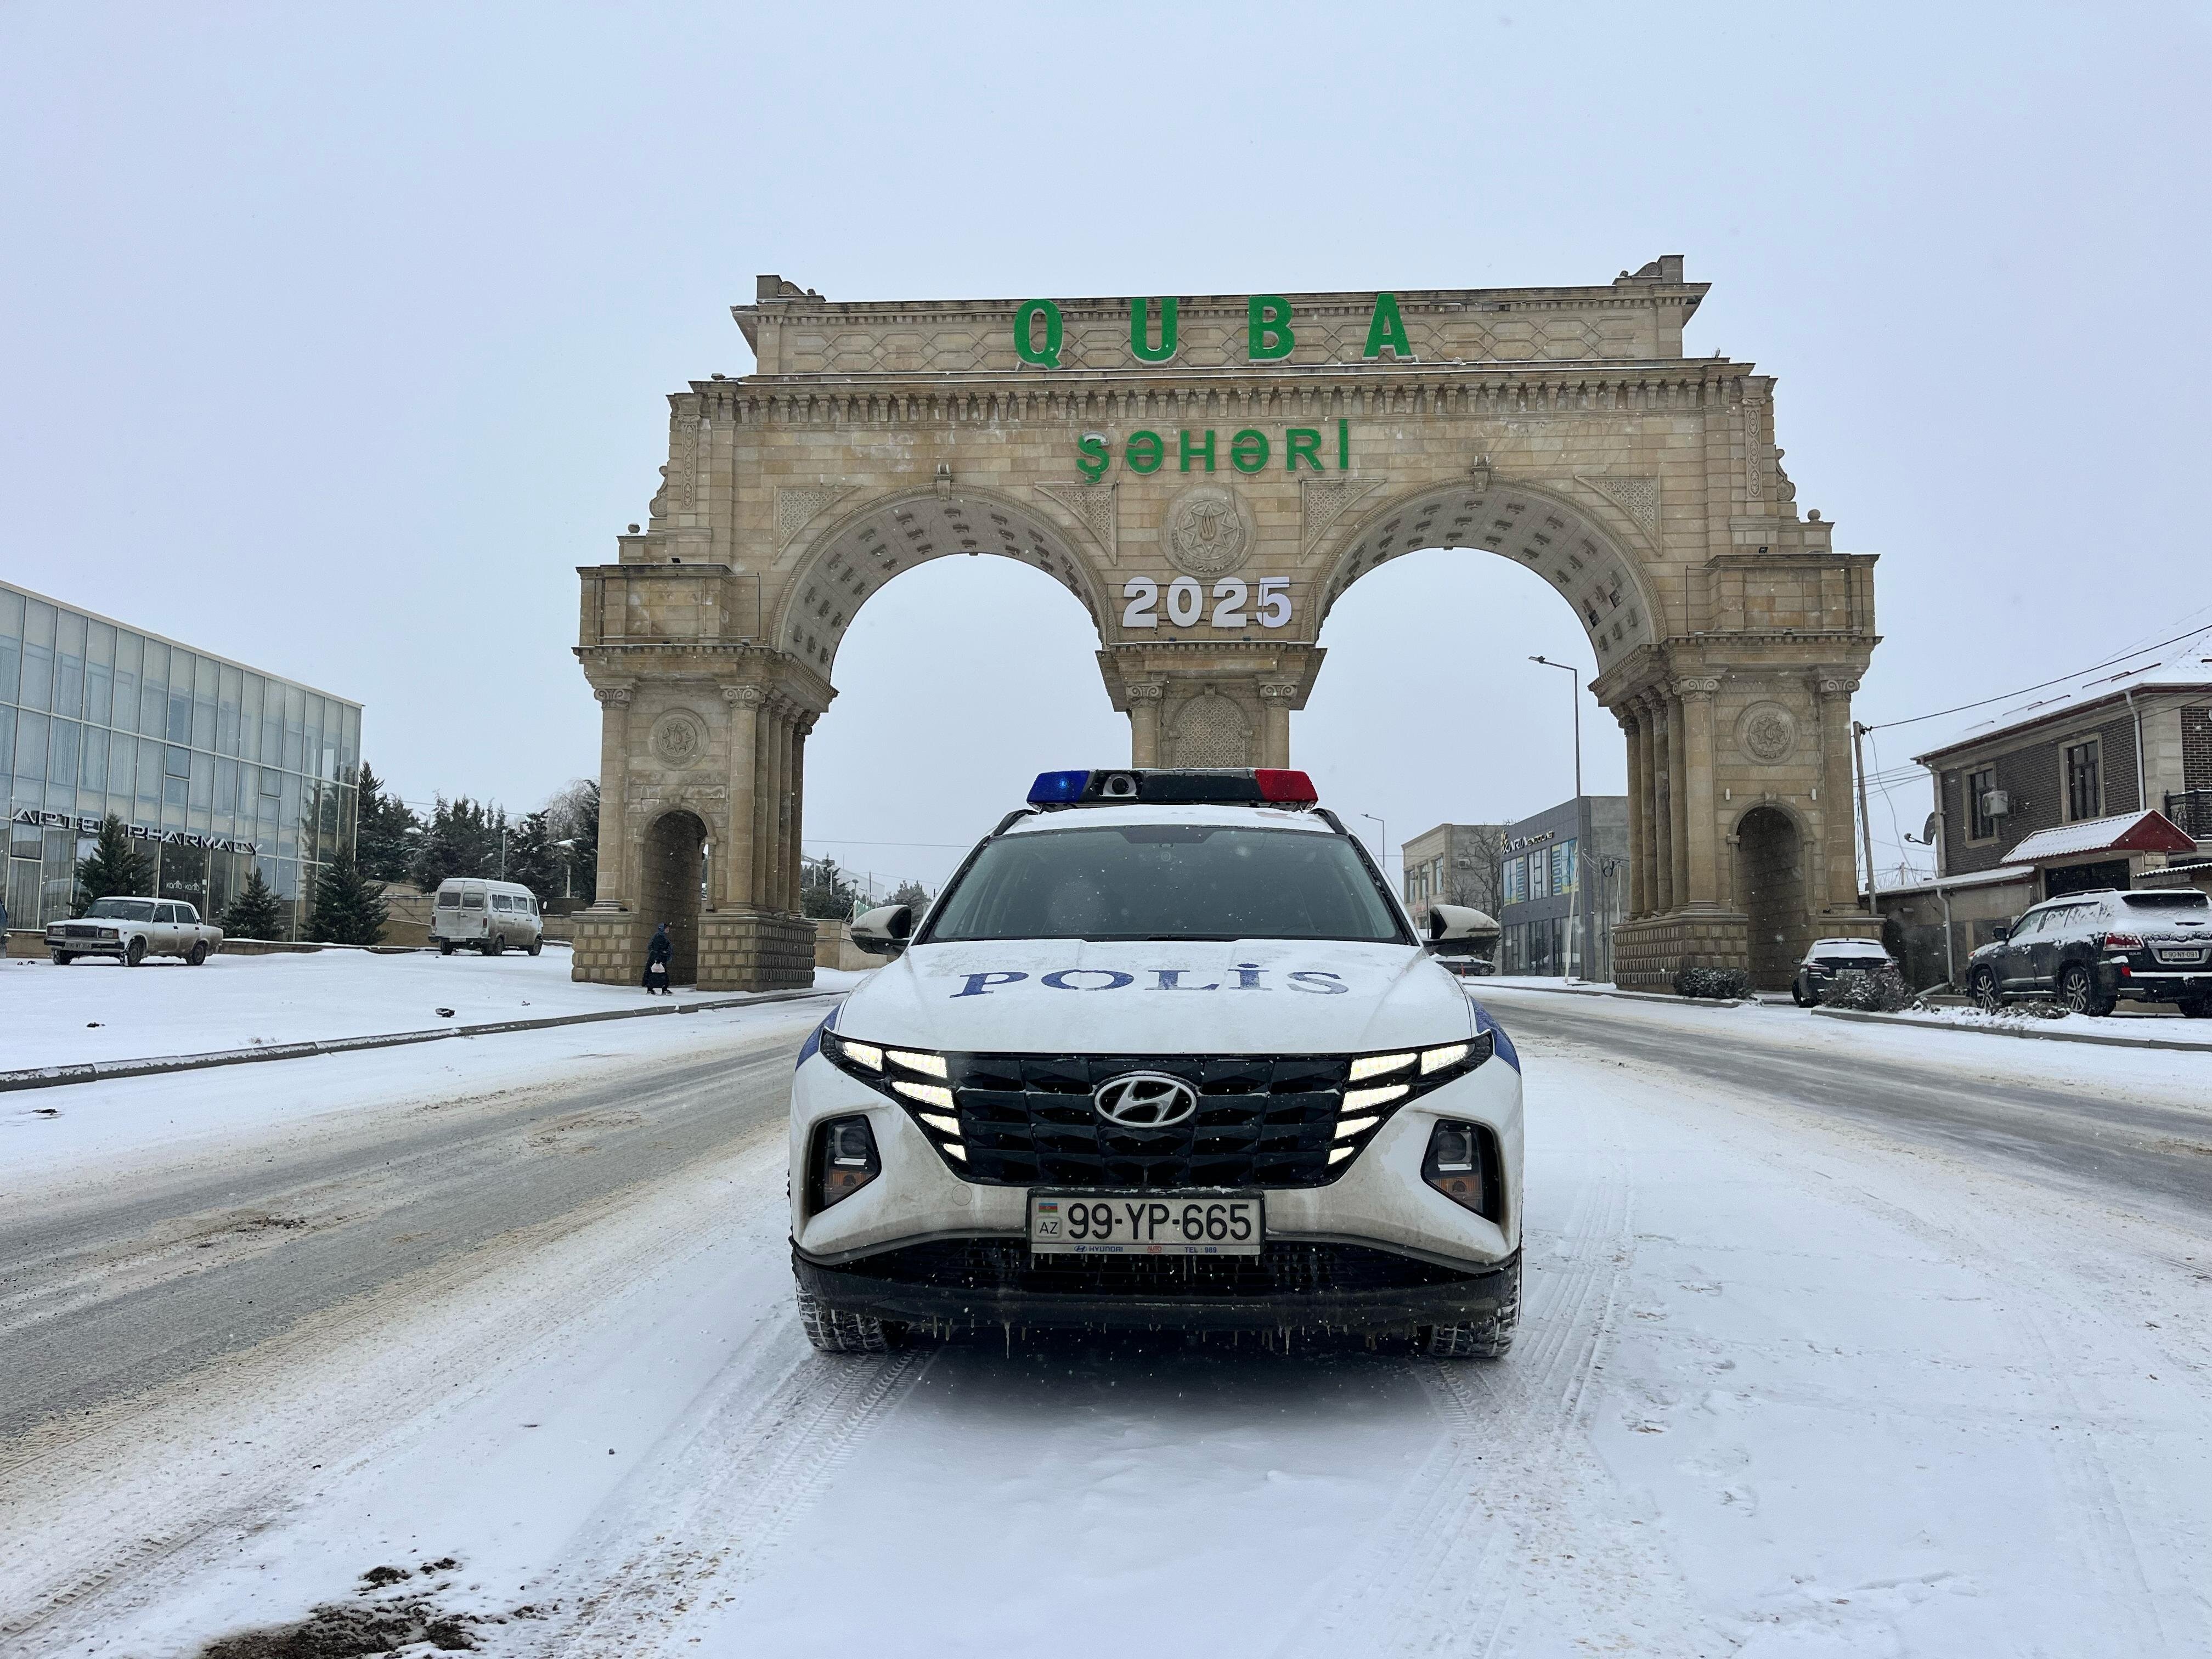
1667	997
53	1076
2098	1039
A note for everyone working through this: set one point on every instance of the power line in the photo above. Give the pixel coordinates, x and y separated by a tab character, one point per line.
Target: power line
2002	697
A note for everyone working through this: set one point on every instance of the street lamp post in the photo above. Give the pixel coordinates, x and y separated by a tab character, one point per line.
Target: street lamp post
1384	830
1582	887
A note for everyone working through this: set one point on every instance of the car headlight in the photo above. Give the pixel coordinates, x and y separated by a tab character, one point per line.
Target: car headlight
1377	1085
915	1078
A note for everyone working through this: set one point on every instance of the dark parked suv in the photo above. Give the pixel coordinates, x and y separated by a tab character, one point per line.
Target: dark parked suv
2090	949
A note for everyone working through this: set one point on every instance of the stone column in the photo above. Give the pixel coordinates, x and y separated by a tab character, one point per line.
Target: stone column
614	797
1145	696
1663	801
1839	862
801	725
1647	806
768	812
1639	830
1275	703
1677	768
738	890
1695	701
786	754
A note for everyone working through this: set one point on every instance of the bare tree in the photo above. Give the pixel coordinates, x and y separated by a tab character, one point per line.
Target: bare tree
1477	851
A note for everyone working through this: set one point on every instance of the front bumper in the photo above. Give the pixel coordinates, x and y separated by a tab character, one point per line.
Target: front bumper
970	1283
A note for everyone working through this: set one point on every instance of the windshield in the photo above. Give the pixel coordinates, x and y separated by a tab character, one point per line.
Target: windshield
1182	881
121	909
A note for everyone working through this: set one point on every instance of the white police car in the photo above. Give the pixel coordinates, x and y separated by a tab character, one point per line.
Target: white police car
1165	1053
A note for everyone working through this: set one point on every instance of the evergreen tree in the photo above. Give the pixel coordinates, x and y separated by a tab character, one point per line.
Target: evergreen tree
823	889
116	865
911	894
532	859
349	908
461	839
386	830
255	910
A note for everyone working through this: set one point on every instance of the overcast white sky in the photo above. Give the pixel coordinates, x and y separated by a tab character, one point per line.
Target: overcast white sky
334	339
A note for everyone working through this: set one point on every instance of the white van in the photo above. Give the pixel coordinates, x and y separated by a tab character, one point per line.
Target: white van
486	916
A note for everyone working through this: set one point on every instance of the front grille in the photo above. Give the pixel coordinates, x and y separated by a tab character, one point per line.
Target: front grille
997	1265
74	932
1027	1120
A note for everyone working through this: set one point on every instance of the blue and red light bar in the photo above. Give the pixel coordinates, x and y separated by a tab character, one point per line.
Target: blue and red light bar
1176	785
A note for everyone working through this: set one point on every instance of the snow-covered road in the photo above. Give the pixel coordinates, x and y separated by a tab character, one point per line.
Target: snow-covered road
1793	1380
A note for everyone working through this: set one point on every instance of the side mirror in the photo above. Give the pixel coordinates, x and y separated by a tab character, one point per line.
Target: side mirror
883	930
2001	931
1451	923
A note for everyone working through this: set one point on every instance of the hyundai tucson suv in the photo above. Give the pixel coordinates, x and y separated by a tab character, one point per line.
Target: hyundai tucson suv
1164	1055
2093	950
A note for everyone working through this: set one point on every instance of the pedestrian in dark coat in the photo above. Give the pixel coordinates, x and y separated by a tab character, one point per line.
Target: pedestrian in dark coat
657	956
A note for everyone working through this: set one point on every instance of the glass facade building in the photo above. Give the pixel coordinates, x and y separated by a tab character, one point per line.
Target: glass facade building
214	766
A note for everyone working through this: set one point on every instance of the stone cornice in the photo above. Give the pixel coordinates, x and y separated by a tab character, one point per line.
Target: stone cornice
1325	391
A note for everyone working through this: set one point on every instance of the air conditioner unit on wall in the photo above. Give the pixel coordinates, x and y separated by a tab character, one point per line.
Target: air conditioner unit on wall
1996	803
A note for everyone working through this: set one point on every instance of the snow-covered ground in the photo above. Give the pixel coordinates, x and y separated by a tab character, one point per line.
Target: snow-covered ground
1785	1386
96	1010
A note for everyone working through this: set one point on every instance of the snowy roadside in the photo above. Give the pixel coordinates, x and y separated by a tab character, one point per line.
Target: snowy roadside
92	1012
52	1143
2176	1077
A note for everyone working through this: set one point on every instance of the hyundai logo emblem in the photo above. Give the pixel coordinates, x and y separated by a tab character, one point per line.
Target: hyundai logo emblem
1145	1100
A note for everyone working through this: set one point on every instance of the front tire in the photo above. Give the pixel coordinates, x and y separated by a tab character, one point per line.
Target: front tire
536	946
2078	994
62	958
834	1331
134	953
1487	1338
1982	986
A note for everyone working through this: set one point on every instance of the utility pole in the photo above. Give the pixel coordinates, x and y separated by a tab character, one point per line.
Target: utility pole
1866	823
1582	836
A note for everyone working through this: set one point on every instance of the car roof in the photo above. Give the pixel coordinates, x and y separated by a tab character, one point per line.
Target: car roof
1080	817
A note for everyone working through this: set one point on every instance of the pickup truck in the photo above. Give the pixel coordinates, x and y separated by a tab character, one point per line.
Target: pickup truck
134	929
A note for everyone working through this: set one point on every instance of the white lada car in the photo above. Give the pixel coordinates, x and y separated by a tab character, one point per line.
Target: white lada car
1165	1053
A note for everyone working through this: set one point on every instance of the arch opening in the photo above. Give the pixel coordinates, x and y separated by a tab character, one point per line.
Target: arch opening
951	695
1772	889
672	887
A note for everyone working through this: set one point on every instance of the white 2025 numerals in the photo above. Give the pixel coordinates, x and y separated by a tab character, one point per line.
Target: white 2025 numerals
1186	604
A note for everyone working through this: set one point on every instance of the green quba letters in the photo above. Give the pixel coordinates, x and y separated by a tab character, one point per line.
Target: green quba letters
1270	333
1299	449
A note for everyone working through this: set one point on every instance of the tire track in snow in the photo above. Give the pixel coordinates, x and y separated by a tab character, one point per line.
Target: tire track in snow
760	1448
1444	1573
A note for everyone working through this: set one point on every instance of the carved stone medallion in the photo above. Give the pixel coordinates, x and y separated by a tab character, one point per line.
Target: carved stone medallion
679	738
1207	532
1767	733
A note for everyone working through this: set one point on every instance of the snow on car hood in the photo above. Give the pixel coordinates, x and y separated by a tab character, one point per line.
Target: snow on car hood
1069	996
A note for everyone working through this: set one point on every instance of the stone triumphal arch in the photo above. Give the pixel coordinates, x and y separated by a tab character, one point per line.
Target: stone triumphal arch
1208	476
